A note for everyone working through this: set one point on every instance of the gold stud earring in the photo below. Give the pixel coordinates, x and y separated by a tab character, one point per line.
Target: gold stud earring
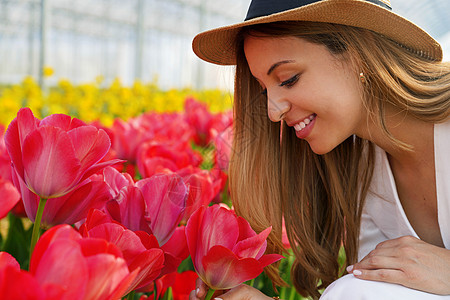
362	77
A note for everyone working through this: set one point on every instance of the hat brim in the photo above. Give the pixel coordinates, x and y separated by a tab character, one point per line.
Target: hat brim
217	45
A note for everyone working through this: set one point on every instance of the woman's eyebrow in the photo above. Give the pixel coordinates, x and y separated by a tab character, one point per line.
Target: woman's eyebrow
275	65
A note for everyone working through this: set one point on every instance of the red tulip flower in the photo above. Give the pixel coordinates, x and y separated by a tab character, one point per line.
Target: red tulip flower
74	206
128	136
153	157
202	189
224	248
184	284
154	205
140	250
55	154
199	117
83	268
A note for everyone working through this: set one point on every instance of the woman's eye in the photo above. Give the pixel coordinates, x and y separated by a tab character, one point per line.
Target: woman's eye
291	81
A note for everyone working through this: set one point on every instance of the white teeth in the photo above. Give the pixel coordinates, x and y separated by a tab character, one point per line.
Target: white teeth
304	123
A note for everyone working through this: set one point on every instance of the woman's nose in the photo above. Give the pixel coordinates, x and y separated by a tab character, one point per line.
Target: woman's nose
277	108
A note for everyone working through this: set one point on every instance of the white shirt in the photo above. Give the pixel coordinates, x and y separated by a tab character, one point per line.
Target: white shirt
383	217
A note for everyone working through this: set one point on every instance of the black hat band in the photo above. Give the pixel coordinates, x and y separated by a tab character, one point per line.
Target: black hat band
259	8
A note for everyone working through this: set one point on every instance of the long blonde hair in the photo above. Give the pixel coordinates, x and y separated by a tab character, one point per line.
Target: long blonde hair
321	196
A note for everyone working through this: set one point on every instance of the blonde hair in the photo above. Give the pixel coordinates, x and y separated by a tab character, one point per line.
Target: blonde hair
321	196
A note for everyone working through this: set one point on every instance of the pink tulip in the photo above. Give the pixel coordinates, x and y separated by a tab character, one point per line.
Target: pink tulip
202	189
154	205
156	156
70	208
13	280
223	142
224	248
54	155
9	197
167	127
199	117
83	268
128	136
140	250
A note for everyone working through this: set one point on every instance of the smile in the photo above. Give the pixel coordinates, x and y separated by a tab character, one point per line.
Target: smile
303	124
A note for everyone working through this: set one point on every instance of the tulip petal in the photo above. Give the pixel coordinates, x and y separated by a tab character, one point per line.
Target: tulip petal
245	230
129	209
64	265
19	284
50	166
268	259
54	233
7	259
9	197
150	264
30	200
219	227
106	274
99	166
177	244
253	247
62	121
126	240
193	232
148	240
91	145
165	198
75	205
117	180
224	270
17	131
184	284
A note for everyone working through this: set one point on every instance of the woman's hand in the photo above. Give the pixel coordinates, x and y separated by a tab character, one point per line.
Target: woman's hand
241	292
407	261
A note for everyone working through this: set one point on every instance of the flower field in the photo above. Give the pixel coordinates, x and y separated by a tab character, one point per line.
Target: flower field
121	193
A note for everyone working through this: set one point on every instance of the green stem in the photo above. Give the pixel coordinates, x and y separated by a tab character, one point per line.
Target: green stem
292	294
37	225
155	290
168	295
252	282
131	295
209	294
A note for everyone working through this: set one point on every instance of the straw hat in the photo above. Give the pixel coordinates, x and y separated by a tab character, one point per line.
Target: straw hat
217	45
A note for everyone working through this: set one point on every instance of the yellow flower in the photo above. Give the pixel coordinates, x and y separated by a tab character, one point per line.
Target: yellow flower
48	71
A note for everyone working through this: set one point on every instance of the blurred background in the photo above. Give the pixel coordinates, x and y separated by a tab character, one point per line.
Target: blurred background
101	40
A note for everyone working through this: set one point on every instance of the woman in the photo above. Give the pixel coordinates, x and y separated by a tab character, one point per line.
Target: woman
362	101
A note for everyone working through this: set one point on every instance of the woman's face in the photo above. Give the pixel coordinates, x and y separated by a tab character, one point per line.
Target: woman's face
314	91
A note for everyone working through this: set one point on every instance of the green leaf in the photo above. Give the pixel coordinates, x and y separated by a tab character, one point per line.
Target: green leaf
17	241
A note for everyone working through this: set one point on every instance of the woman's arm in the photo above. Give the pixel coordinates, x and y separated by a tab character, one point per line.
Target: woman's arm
407	261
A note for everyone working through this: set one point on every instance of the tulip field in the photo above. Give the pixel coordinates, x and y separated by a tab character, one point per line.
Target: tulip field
121	193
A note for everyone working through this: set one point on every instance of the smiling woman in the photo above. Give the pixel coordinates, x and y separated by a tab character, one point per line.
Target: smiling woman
362	107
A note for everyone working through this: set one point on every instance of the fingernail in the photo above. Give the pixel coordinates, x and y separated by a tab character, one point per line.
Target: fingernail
349	269
197	291
357	272
217	298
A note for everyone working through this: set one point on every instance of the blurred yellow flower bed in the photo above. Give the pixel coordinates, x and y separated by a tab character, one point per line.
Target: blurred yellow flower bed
91	102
